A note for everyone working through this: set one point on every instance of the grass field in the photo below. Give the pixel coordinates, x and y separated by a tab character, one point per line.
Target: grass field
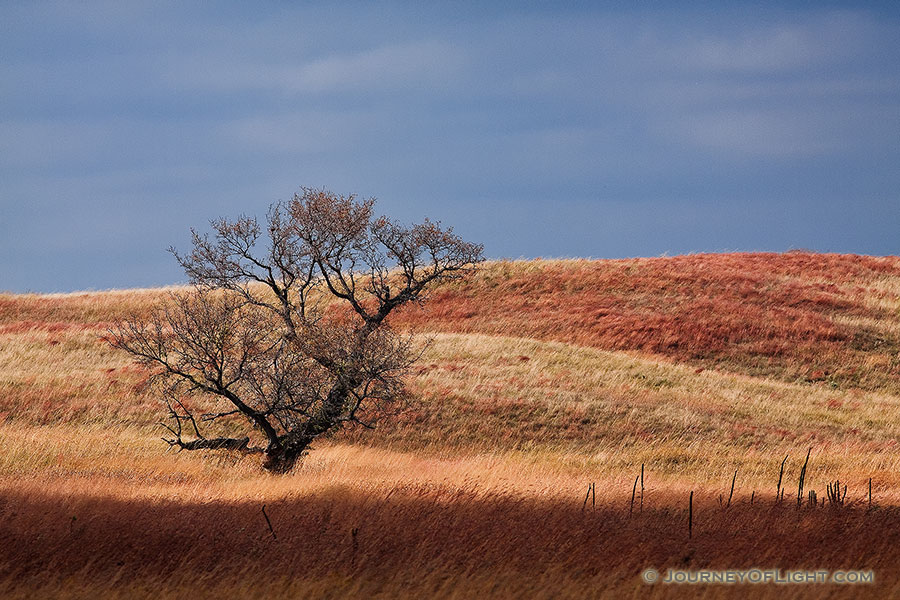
541	378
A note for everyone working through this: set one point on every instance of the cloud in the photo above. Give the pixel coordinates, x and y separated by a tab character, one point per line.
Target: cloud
43	142
757	133
773	49
788	45
308	132
185	111
805	89
407	65
427	62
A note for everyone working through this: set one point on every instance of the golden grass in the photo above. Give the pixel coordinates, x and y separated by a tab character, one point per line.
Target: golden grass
447	540
789	316
478	488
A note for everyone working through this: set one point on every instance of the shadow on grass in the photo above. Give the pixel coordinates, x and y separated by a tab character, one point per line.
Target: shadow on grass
428	540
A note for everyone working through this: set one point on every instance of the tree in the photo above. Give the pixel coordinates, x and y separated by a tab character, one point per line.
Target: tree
286	328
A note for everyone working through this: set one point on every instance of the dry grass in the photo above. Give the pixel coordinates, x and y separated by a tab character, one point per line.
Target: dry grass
540	378
795	316
447	541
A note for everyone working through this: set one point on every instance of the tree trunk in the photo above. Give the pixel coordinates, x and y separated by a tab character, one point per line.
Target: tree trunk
281	459
240	444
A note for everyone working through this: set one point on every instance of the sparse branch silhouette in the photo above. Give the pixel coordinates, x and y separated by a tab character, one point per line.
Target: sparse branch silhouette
286	326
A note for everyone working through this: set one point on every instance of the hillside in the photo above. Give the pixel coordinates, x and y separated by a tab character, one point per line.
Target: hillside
540	377
795	316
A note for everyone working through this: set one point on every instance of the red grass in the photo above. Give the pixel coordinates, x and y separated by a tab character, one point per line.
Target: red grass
29	326
411	536
767	313
759	313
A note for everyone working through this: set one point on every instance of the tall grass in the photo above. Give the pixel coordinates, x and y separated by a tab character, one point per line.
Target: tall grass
541	377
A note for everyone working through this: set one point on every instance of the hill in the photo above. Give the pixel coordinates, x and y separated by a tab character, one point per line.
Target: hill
795	316
541	376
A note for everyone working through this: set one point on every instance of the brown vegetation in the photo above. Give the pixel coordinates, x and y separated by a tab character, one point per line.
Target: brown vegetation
796	316
525	396
451	542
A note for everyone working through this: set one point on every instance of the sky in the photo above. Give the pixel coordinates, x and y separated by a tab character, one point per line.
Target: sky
602	130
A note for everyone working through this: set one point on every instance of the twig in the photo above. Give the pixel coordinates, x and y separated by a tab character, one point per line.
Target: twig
733	479
269	523
802	479
834	493
780	475
691	515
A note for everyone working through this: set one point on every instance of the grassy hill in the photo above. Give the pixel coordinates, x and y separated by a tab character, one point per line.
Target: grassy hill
541	377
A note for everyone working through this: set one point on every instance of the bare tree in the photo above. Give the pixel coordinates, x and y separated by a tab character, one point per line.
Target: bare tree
286	327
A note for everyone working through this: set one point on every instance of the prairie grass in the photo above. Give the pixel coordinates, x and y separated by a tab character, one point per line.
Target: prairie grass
540	378
794	316
418	541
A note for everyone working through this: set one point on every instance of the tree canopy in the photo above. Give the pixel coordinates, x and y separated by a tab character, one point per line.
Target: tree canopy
286	325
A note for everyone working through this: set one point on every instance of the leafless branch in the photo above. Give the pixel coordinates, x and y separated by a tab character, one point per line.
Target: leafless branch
286	323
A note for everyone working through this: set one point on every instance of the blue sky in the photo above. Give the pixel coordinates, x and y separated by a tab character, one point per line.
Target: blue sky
586	130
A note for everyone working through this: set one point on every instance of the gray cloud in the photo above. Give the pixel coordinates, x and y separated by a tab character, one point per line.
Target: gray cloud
779	47
422	64
544	132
